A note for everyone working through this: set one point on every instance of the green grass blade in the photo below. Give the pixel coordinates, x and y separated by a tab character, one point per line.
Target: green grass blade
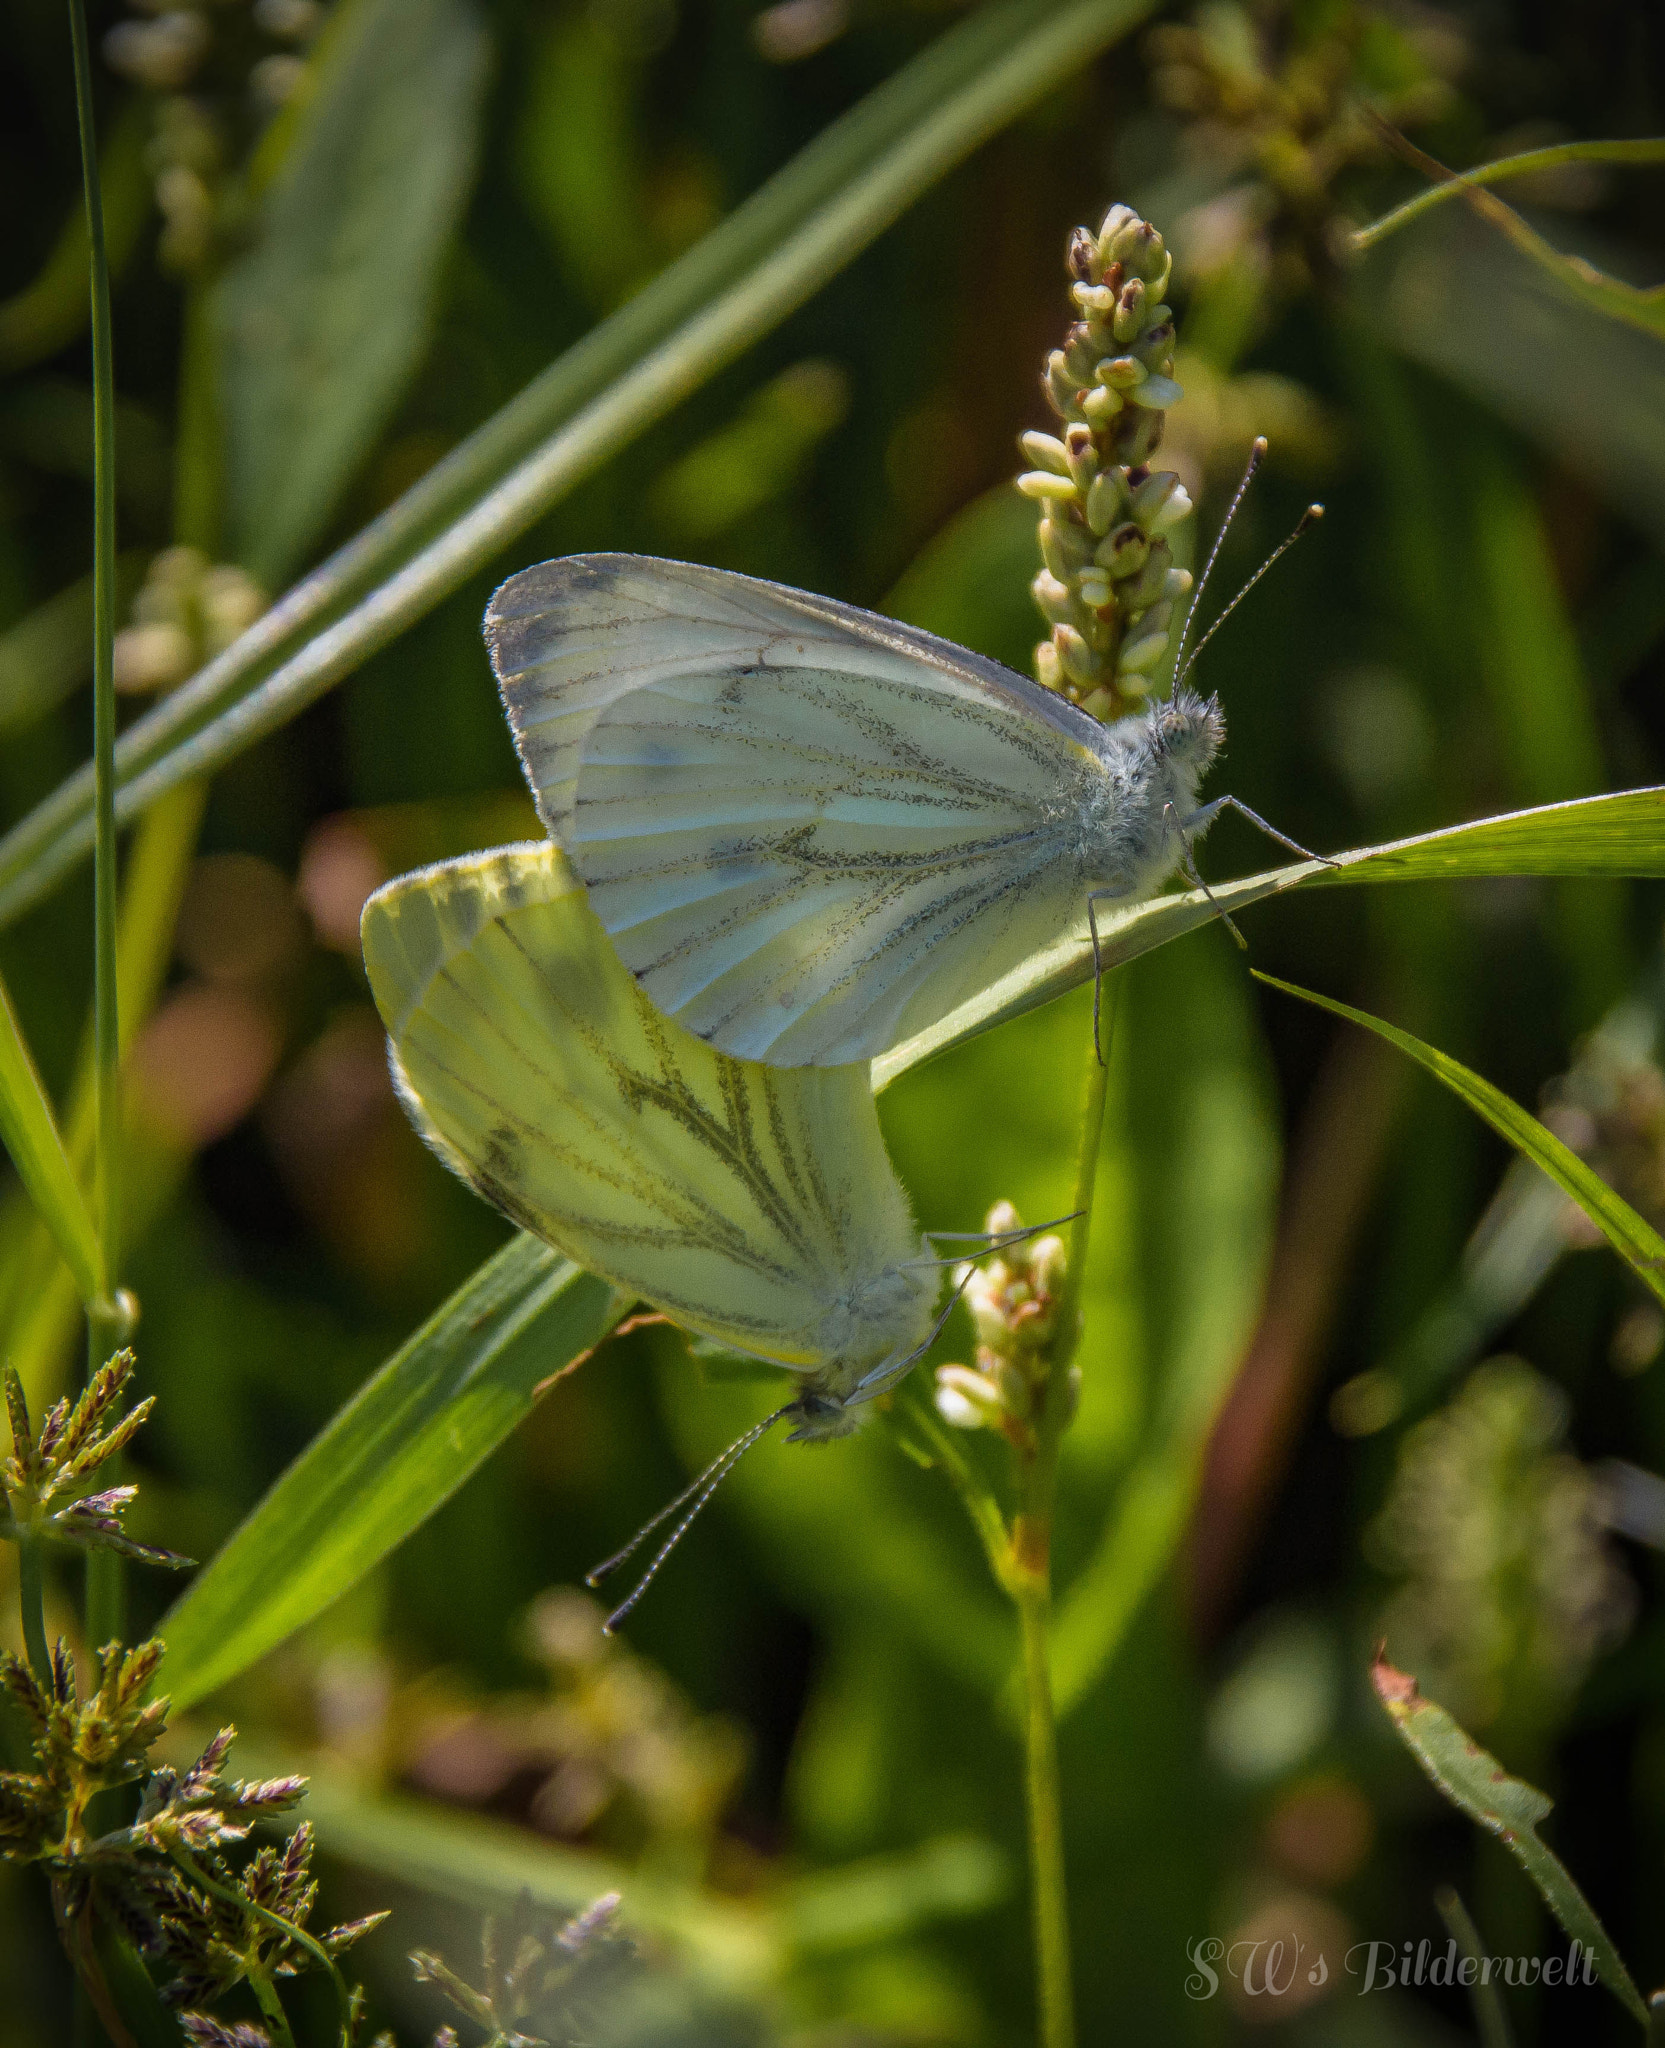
31	1136
1618	835
735	286
1491	2022
398	1450
1631	1236
1478	1785
1648	149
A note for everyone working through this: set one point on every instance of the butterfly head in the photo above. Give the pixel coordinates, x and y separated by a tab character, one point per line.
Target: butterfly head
1187	731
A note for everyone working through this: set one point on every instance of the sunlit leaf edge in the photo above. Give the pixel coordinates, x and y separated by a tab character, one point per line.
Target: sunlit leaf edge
1631	1236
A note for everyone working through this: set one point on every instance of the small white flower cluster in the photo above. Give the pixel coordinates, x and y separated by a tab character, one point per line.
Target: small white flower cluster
1013	1299
188	611
1109	584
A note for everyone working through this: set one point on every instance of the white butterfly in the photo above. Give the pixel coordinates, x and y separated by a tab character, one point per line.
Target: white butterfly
809	831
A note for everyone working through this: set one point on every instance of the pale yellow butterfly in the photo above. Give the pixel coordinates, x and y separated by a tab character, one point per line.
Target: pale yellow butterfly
753	1205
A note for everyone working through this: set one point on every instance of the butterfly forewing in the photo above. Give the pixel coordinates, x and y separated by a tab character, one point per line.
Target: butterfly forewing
746	1202
805	865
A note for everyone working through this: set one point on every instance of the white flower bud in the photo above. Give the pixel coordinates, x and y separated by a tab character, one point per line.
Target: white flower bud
1106	500
1045	451
1141	655
1156	394
966	1399
152	657
1041	483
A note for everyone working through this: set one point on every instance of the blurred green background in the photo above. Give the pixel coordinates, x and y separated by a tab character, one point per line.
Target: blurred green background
1344	1374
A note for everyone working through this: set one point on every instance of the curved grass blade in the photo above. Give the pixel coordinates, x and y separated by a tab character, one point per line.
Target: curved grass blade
30	1133
1648	149
1478	1785
1622	834
1631	1236
393	1455
735	286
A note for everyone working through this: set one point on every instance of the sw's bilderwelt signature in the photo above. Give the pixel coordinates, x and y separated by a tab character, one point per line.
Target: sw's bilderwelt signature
1276	1966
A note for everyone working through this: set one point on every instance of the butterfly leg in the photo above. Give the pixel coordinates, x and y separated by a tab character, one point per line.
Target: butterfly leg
1201	818
1099	896
1187	861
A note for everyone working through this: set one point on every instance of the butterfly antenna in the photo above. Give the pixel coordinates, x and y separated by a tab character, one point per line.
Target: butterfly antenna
1308	520
894	1368
698	1491
1255	453
990	1240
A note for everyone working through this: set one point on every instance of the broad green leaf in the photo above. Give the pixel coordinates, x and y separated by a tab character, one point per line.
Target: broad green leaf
1478	1785
1621	834
740	1945
1631	1236
1205	1145
731	288
392	1456
30	1134
325	317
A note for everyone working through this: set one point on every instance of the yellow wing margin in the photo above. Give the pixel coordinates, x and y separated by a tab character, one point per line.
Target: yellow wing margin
747	1202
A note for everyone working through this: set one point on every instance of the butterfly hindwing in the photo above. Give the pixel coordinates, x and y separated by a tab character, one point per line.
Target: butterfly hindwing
744	1201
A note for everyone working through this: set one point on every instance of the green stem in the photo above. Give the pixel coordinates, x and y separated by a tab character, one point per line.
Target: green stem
1645	150
107	1157
106	1600
1031	1585
230	1896
271	2005
1046	1824
31	1593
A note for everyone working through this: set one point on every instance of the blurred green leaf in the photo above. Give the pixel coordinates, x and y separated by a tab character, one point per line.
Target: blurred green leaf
52	310
1479	311
1642	307
37	1151
322	321
1631	1236
48	653
1542	708
392	1456
1622	834
1206	1145
1478	1785
740	1945
734	286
